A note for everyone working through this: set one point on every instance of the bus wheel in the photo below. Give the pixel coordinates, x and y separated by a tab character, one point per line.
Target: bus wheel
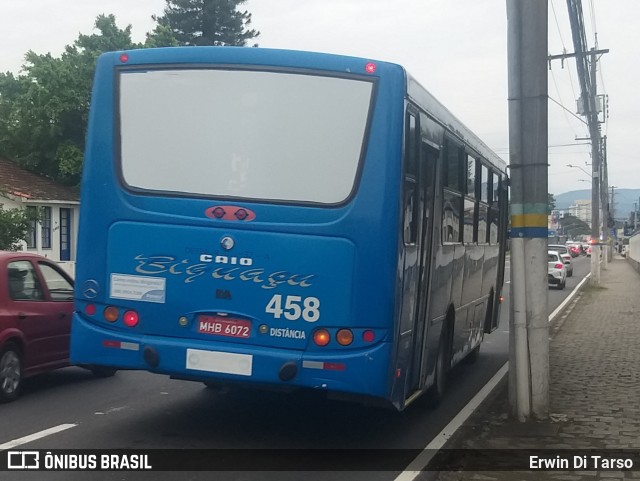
436	391
10	373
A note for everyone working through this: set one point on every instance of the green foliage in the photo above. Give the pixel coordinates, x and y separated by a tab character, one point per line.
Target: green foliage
162	36
572	226
15	225
551	203
44	111
208	22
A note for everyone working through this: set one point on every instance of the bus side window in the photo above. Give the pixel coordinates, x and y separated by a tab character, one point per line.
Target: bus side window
452	199
451	210
494	218
411	200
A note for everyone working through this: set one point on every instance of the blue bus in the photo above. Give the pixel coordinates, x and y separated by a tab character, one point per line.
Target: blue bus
284	219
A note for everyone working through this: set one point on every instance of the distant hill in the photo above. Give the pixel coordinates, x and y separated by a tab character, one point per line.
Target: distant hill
624	199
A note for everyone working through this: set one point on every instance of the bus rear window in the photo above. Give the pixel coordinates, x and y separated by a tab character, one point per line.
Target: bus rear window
242	133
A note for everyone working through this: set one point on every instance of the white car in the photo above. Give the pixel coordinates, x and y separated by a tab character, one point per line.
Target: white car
556	270
566	256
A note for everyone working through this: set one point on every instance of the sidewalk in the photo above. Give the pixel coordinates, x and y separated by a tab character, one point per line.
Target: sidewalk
594	397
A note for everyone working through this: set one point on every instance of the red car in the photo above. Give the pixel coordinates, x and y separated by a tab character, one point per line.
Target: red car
36	305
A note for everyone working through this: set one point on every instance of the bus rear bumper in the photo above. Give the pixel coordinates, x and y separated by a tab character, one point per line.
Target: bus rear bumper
361	371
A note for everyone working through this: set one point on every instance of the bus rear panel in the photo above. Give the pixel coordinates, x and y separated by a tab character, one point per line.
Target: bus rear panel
238	221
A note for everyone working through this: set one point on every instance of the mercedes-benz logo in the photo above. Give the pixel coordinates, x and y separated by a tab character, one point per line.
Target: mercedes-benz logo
90	289
227	243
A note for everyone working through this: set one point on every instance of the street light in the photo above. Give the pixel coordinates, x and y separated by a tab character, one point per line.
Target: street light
578	167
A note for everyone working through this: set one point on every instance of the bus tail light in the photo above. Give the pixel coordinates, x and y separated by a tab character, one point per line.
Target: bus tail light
111	314
90	309
321	337
344	337
130	318
368	336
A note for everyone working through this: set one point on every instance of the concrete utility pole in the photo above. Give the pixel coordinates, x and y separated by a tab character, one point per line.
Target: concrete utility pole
528	163
612	202
587	77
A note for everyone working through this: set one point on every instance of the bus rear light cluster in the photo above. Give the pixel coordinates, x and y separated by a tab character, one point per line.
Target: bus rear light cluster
344	337
130	318
90	309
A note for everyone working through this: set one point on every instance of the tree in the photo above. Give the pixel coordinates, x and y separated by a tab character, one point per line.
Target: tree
15	225
208	22
44	112
551	203
573	226
162	36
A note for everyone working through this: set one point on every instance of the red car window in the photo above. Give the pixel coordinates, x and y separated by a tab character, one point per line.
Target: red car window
23	282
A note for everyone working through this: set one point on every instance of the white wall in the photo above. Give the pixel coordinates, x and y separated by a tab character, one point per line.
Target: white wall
52	252
633	249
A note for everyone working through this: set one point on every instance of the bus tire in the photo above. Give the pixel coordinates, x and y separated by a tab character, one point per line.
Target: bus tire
10	373
443	363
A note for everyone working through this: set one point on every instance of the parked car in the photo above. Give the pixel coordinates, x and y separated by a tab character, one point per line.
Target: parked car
566	256
556	270
36	305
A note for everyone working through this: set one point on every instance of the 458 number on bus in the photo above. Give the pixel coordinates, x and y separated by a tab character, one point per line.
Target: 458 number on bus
294	307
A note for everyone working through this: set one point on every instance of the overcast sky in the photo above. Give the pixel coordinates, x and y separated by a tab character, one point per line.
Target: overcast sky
456	48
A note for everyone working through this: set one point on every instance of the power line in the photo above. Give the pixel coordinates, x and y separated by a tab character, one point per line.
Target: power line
556	102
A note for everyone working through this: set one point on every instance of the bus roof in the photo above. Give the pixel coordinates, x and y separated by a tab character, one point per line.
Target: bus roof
252	56
442	115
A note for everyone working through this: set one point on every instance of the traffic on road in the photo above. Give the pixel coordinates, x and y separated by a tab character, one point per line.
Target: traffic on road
70	409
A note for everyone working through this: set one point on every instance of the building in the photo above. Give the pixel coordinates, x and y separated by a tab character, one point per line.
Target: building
54	236
582	210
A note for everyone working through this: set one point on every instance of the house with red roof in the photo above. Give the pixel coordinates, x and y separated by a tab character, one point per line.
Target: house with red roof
54	235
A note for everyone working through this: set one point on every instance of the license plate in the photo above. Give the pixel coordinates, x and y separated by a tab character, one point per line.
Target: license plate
224	326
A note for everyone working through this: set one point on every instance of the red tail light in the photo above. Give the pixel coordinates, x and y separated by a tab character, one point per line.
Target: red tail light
559	266
130	318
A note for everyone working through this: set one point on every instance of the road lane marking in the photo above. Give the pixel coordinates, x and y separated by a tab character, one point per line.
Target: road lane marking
569	298
35	436
416	466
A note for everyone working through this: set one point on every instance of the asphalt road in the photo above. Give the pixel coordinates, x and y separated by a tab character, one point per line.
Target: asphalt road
138	410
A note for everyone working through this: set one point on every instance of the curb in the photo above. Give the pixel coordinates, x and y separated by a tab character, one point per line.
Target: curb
414	469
